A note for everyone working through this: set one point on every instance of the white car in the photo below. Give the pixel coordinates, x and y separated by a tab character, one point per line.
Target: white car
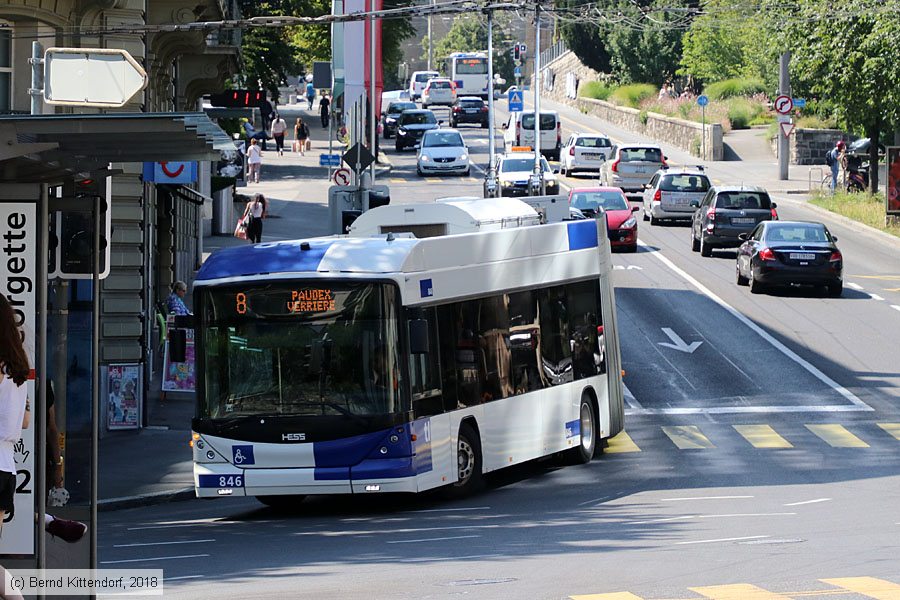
439	91
442	151
417	82
584	152
671	191
514	171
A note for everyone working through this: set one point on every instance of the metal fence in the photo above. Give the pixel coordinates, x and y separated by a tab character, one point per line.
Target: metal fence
553	52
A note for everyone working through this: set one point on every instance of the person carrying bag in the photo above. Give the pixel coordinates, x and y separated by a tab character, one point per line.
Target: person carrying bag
240	230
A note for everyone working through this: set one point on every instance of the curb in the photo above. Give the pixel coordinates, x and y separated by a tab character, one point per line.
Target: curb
383	164
846	221
166	497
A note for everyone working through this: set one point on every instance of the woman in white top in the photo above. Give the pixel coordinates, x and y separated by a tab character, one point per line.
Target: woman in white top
14	409
256	211
254	160
279	127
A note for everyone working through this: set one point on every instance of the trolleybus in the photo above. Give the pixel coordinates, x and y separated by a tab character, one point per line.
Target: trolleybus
469	71
433	344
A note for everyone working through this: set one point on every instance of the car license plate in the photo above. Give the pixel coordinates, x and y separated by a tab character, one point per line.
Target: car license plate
592	156
799	256
221	481
742	220
471	111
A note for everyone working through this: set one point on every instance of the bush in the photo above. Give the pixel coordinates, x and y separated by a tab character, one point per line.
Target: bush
643	116
596	90
696	143
632	95
814	122
730	88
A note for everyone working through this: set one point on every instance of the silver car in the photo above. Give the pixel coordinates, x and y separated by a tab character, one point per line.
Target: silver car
669	194
630	166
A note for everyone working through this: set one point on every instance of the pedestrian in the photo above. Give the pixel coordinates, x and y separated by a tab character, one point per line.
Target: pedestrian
834	158
252	134
324	106
279	127
64	529
254	160
175	302
257	210
301	135
310	94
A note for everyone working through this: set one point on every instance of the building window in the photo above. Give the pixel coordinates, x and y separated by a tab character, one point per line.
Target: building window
6	64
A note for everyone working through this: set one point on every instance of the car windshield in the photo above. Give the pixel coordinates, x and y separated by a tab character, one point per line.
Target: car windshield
471	66
641	154
743	200
607	200
424	77
299	348
592	142
439	85
475	103
418	118
442	139
797	232
511	165
684	183
399	107
548	121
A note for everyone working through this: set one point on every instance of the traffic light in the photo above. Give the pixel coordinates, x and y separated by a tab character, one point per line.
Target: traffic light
517	52
72	242
523	51
238	98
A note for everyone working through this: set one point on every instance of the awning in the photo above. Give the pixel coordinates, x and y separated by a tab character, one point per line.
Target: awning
186	193
35	148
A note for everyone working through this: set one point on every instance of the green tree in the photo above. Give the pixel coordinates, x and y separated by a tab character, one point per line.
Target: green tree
268	54
469	34
583	37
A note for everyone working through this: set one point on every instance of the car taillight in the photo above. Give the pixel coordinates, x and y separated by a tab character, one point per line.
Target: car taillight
484	109
766	254
657	197
558	132
711	214
456	109
572	151
518	133
774	215
614	167
836	256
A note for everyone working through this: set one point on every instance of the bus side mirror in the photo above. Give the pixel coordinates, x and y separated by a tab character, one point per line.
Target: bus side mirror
178	345
418	336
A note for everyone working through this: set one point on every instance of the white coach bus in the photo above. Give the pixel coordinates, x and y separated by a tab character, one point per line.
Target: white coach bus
469	72
391	363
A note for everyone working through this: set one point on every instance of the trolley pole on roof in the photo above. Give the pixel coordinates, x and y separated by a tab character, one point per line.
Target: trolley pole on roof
490	182
537	100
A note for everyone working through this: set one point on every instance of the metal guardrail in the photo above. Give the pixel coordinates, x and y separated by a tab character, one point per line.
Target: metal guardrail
553	52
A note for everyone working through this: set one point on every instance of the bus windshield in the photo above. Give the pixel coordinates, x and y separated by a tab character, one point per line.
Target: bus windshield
471	66
299	348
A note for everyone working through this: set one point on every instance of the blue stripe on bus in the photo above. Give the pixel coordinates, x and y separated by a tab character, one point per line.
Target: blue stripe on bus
384	468
421	428
360	457
256	259
582	234
573	428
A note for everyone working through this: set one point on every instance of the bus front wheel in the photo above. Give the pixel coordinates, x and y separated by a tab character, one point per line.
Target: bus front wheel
468	457
285	502
587	417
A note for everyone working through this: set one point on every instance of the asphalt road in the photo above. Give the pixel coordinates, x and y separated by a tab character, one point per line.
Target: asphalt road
760	459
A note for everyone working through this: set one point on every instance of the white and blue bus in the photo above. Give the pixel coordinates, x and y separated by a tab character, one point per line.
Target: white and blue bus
469	72
391	363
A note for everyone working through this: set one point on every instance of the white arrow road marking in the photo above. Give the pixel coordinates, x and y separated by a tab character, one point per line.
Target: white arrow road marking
678	343
627	268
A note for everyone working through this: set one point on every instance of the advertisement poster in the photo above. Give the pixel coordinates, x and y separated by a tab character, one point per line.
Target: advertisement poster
179	376
893	181
123	389
18	280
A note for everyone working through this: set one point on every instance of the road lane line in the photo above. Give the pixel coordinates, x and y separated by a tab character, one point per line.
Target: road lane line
621	443
184	577
836	435
688	437
134	560
160	543
737	591
891	428
781	514
594	501
608	596
438	539
895	307
736	539
875	297
434	510
762	436
630	400
815	372
867	586
705	498
816	501
854	286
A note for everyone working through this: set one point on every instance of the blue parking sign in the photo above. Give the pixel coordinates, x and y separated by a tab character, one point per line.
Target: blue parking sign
515	100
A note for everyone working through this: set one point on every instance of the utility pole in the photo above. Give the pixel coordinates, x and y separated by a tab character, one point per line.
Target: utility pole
490	182
430	40
538	172
784	143
373	118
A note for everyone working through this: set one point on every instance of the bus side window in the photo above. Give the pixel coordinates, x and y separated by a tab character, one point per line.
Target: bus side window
425	382
584	328
461	356
556	350
525	343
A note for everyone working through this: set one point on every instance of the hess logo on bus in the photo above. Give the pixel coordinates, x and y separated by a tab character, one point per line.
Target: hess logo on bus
293	437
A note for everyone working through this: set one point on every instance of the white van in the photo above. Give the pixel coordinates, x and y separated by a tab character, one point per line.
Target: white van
519	131
418	81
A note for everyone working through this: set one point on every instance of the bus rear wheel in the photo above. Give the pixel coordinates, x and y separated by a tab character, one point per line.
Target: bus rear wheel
587	418
285	502
468	457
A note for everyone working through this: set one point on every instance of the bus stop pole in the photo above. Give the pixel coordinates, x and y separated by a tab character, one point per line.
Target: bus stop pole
95	382
491	183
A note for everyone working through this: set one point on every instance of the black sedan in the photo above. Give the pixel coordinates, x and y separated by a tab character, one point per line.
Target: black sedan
412	125
392	115
790	252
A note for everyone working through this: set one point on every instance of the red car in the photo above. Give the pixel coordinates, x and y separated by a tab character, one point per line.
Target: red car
620	222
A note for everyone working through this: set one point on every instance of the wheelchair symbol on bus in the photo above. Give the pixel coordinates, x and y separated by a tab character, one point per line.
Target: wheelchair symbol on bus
242	455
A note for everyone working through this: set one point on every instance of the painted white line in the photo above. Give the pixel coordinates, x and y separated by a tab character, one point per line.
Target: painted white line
151	495
737	410
184	577
785	514
134	560
850	396
854	286
705	498
817	500
737	539
666	520
439	539
895	307
434	510
630	400
593	501
876	297
160	543
431	559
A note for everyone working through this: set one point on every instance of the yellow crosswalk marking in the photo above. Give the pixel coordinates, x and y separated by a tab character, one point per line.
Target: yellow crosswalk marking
612	596
687	437
621	443
837	436
397	180
737	591
762	436
867	586
891	428
433	179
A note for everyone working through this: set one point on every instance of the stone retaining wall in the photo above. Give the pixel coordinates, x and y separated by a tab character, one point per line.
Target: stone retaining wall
808	146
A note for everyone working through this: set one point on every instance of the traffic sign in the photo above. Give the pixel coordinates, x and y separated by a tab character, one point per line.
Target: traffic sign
517	72
329	160
702	100
365	157
341	176
516	101
105	77
783	104
799	102
786	128
783	118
